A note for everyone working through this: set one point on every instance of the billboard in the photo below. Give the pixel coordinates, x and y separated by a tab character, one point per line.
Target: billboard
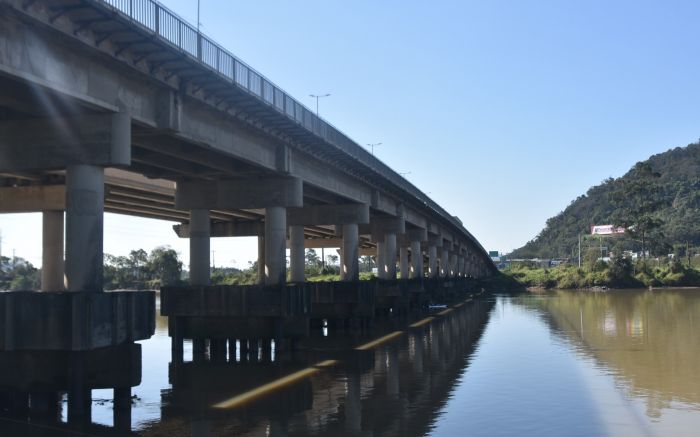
606	230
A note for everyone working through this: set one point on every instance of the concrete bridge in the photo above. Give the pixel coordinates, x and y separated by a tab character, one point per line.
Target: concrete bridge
121	106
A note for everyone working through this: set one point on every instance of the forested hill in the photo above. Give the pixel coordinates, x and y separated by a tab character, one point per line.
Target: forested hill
677	189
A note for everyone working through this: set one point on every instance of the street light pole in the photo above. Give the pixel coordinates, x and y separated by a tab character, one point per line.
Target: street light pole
318	97
373	145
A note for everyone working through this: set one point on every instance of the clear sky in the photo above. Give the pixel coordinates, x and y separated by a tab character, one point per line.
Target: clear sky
502	111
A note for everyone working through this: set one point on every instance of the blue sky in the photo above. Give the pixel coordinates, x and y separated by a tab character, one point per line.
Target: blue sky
503	111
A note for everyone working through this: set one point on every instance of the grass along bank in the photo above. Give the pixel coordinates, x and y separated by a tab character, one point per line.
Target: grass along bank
619	273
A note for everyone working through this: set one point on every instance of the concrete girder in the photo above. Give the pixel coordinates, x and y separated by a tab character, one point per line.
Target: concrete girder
355	213
32	198
249	193
44	144
224	229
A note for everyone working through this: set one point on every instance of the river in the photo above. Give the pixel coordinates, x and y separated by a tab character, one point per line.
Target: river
565	363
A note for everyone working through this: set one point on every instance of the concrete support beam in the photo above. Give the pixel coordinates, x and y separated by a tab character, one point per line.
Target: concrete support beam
390	255
453	265
32	198
84	227
55	143
445	263
432	262
275	245
350	270
200	232
416	260
381	268
380	226
52	251
403	262
328	215
261	258
250	193
225	229
296	253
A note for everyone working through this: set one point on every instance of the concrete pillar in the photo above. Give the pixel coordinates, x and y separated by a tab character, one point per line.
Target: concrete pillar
296	253
200	233
261	259
381	270
432	262
453	265
350	268
444	263
52	251
403	263
416	260
390	255
84	227
275	245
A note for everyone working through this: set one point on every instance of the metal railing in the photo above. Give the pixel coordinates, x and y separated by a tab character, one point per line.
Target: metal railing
182	36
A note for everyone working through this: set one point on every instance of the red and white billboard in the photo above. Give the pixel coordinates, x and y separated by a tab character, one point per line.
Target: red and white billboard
606	230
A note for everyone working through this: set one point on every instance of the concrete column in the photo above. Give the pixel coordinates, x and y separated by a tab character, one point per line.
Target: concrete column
200	233
403	263
261	259
296	253
445	263
84	227
390	255
350	268
381	269
416	260
275	245
433	263
453	265
52	251
460	266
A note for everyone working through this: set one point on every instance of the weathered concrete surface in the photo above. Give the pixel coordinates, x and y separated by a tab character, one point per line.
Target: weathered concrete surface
236	301
328	215
32	198
103	140
250	193
52	371
343	299
74	321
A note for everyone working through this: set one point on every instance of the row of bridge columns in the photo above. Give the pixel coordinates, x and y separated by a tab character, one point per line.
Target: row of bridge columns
284	228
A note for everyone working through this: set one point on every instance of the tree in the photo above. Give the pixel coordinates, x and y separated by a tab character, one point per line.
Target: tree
164	265
637	201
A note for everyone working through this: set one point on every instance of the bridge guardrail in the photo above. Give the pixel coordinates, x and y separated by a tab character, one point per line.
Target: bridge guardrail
172	29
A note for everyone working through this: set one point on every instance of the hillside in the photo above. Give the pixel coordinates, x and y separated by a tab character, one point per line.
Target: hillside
678	191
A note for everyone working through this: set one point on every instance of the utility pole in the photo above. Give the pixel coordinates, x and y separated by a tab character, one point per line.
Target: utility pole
579	250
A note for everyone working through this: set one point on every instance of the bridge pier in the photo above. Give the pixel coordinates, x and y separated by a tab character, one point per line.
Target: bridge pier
350	268
444	263
200	234
390	255
84	227
52	251
275	245
296	253
404	262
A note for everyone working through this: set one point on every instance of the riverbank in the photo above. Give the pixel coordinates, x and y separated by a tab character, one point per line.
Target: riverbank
620	275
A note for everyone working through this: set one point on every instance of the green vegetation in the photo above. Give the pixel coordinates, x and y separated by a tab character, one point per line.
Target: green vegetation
658	201
141	270
162	267
621	272
18	274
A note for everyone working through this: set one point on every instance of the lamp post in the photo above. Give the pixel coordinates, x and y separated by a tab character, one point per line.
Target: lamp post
372	146
318	97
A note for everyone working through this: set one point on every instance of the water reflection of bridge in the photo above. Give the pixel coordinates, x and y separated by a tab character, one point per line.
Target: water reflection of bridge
395	389
648	339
